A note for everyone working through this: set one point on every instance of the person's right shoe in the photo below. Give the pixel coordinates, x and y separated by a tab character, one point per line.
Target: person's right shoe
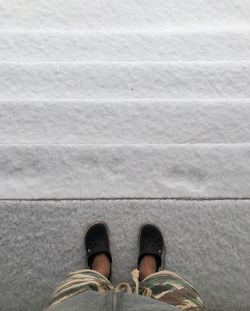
151	243
97	241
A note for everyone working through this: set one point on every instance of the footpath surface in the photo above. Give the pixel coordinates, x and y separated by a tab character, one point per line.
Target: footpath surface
207	242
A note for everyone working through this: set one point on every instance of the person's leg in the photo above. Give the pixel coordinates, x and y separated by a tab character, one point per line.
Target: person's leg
165	286
151	250
101	264
96	278
78	282
147	266
98	249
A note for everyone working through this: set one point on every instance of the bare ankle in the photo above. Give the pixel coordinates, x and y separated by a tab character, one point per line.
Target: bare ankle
101	264
147	266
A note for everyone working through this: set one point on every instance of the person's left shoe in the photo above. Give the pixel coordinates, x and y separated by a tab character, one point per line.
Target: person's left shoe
151	243
97	242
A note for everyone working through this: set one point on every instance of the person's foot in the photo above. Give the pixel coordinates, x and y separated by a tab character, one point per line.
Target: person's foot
151	249
147	266
101	264
97	247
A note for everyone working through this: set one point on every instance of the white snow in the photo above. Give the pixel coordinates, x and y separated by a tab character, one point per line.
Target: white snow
124	121
125	171
185	45
125	80
83	15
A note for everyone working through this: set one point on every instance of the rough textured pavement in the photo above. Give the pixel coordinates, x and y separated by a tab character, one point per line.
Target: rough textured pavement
207	243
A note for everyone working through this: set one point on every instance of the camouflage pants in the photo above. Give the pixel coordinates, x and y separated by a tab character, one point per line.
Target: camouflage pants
164	286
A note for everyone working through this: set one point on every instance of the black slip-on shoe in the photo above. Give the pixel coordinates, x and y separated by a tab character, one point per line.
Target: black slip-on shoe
97	241
151	243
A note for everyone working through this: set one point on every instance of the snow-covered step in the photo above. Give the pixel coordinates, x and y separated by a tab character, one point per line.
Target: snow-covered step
207	243
134	171
125	80
125	121
98	15
183	45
